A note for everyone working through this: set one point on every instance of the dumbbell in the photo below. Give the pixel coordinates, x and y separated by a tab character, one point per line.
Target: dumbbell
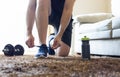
19	50
10	50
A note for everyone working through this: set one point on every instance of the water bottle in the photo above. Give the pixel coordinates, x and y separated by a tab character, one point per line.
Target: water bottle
85	48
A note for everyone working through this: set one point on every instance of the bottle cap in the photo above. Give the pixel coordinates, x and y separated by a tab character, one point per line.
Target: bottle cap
85	38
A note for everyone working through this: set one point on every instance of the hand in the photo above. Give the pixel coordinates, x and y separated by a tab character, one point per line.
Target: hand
56	42
30	41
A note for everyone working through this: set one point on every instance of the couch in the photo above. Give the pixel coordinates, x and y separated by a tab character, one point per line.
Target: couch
103	30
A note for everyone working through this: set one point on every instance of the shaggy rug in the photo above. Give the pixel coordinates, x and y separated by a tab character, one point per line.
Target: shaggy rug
52	66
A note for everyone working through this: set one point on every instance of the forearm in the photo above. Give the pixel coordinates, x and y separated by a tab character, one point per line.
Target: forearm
66	16
30	16
30	22
64	22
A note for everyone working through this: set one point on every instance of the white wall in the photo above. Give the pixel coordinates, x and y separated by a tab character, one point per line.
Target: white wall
116	7
91	6
13	22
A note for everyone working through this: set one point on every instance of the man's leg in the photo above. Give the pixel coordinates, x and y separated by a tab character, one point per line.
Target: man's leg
42	19
63	50
42	14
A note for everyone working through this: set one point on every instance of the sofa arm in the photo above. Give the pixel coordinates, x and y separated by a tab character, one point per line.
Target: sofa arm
116	23
92	18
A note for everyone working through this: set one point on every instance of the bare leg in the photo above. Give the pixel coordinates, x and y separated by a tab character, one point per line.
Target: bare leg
63	50
42	19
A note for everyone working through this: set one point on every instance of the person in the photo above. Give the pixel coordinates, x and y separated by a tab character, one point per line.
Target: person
58	13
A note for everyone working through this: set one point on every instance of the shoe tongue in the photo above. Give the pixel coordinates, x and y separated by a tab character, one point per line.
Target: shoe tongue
43	45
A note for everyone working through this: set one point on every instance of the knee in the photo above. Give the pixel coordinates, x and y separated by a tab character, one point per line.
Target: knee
63	50
32	5
42	4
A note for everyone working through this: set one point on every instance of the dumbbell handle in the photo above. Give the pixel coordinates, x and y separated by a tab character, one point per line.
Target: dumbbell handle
36	46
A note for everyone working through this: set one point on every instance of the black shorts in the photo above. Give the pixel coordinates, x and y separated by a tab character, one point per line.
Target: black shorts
54	20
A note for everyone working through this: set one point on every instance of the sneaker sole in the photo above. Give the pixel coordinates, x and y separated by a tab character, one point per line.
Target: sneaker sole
40	57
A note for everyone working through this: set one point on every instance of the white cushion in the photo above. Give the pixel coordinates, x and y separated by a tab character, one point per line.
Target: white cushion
96	27
116	23
91	18
97	35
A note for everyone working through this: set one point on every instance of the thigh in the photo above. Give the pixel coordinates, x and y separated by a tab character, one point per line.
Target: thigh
44	4
49	6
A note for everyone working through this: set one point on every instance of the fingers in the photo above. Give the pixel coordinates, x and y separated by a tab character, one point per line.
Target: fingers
56	44
30	44
30	41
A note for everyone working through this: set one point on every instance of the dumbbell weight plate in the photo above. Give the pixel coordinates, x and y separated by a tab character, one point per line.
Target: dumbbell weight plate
19	50
8	50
